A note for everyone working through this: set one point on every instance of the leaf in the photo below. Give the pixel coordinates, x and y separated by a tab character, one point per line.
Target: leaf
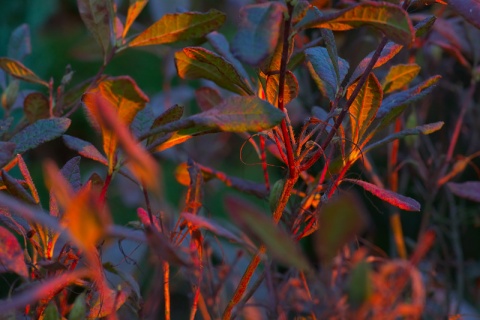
125	97
392	20
11	254
258	31
291	88
278	243
323	71
360	287
180	136
364	108
134	9
180	27
28	179
339	222
140	162
16	189
99	18
51	312
128	278
71	172
163	249
19	44
107	303
84	148
170	115
197	62
234	114
6	152
395	199
40	132
331	47
79	308
400	76
207	98
142	122
19	71
469	9
36	107
469	190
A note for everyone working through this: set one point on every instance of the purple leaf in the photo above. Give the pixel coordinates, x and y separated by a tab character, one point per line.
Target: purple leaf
469	190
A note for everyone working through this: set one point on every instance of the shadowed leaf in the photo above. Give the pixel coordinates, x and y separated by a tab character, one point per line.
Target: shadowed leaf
291	88
395	199
11	254
6	152
197	62
142	122
79	308
392	20
15	188
400	76
19	44
39	132
261	227
84	148
163	249
19	71
99	18
469	9
170	115
468	190
207	98
258	32
179	27
359	285
36	107
134	9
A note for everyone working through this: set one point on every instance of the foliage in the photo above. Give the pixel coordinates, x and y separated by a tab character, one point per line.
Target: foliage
295	81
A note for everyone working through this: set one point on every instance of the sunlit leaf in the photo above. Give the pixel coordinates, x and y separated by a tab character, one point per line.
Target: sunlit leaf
15	188
207	98
11	254
258	31
19	71
400	76
341	219
393	198
134	9
6	152
175	27
122	94
365	106
392	20
172	139
469	9
323	71
39	132
36	107
291	88
99	18
19	44
197	62
468	190
84	148
173	113
259	226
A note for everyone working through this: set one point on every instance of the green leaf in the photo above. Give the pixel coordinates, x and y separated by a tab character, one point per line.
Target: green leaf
363	110
258	32
197	62
39	132
392	20
259	226
395	199
123	94
79	309
11	254
19	44
339	222
291	88
6	152
84	148
234	114
36	107
180	27
359	285
134	9
17	70
323	72
99	18
400	76
51	312
469	9
170	115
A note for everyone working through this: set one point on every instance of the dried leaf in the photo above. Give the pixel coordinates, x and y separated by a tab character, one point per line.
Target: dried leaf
19	71
395	199
36	107
468	190
134	9
84	148
197	62
400	76
19	44
11	254
40	132
291	88
179	27
258	32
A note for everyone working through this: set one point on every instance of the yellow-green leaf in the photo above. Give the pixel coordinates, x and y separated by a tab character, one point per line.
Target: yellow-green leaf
363	110
179	27
123	94
18	70
197	62
400	76
134	9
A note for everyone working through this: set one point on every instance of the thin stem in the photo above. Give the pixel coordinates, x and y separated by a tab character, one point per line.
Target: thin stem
166	288
106	184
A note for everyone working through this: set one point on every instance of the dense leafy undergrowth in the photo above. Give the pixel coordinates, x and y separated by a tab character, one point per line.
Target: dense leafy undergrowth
285	159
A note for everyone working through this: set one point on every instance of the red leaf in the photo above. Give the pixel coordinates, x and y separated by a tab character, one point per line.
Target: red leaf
11	254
